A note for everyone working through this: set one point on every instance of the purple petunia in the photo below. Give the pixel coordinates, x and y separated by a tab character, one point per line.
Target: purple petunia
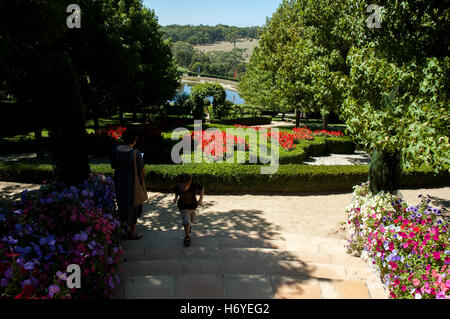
8	273
4	282
83	237
53	290
29	265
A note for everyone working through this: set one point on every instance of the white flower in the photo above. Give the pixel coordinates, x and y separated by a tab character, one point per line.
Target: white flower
418	296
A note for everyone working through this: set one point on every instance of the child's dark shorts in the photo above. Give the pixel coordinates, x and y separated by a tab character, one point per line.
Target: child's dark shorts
187	216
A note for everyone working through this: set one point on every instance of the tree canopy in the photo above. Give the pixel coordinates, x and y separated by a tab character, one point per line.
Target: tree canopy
390	84
116	61
201	91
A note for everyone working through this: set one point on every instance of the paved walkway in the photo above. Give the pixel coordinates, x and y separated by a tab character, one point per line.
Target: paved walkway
248	247
243	265
251	247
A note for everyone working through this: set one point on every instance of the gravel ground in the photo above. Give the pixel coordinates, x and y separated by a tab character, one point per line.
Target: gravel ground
359	157
315	215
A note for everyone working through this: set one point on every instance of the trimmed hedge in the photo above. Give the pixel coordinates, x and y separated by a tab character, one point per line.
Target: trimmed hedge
26	173
296	156
228	178
23	146
248	121
339	145
243	179
314	148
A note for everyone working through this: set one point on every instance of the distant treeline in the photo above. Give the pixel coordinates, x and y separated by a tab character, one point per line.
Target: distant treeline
219	63
204	34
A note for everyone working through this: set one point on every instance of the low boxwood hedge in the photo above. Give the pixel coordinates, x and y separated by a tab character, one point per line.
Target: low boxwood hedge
244	179
26	173
295	156
314	148
263	120
17	147
339	145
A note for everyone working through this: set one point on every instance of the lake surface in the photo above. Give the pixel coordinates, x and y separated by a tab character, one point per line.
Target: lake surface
231	95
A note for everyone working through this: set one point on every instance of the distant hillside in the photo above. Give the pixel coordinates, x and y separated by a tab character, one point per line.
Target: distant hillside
247	45
203	34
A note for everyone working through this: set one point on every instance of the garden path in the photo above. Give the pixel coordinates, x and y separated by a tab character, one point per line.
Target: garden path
358	157
252	247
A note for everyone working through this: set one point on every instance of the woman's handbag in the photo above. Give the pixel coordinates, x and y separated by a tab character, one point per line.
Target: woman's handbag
140	190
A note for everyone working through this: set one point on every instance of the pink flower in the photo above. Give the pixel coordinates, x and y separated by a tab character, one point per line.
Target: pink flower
437	255
416	282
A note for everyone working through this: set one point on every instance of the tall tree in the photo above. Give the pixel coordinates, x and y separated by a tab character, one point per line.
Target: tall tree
305	44
397	100
118	58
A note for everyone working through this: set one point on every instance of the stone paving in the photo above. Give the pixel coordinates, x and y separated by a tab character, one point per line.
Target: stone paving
246	246
240	265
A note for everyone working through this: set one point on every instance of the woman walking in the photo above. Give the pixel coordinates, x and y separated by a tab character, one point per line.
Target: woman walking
128	165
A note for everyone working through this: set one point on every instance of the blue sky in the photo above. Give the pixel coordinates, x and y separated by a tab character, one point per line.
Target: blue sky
241	13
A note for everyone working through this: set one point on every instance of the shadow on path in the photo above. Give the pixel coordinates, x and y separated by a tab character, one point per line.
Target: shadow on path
241	250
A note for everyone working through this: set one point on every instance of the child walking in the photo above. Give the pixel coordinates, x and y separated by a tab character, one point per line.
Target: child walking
186	200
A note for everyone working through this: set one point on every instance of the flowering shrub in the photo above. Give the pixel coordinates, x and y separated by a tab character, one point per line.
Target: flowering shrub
115	132
408	245
53	228
288	140
326	133
205	139
257	128
302	133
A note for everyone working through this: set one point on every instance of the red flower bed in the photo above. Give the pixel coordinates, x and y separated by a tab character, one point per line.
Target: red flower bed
328	133
205	139
288	140
114	131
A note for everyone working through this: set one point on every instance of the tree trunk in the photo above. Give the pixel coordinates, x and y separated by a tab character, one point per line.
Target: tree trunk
325	121
384	172
134	116
38	140
121	119
282	116
297	117
68	147
96	123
